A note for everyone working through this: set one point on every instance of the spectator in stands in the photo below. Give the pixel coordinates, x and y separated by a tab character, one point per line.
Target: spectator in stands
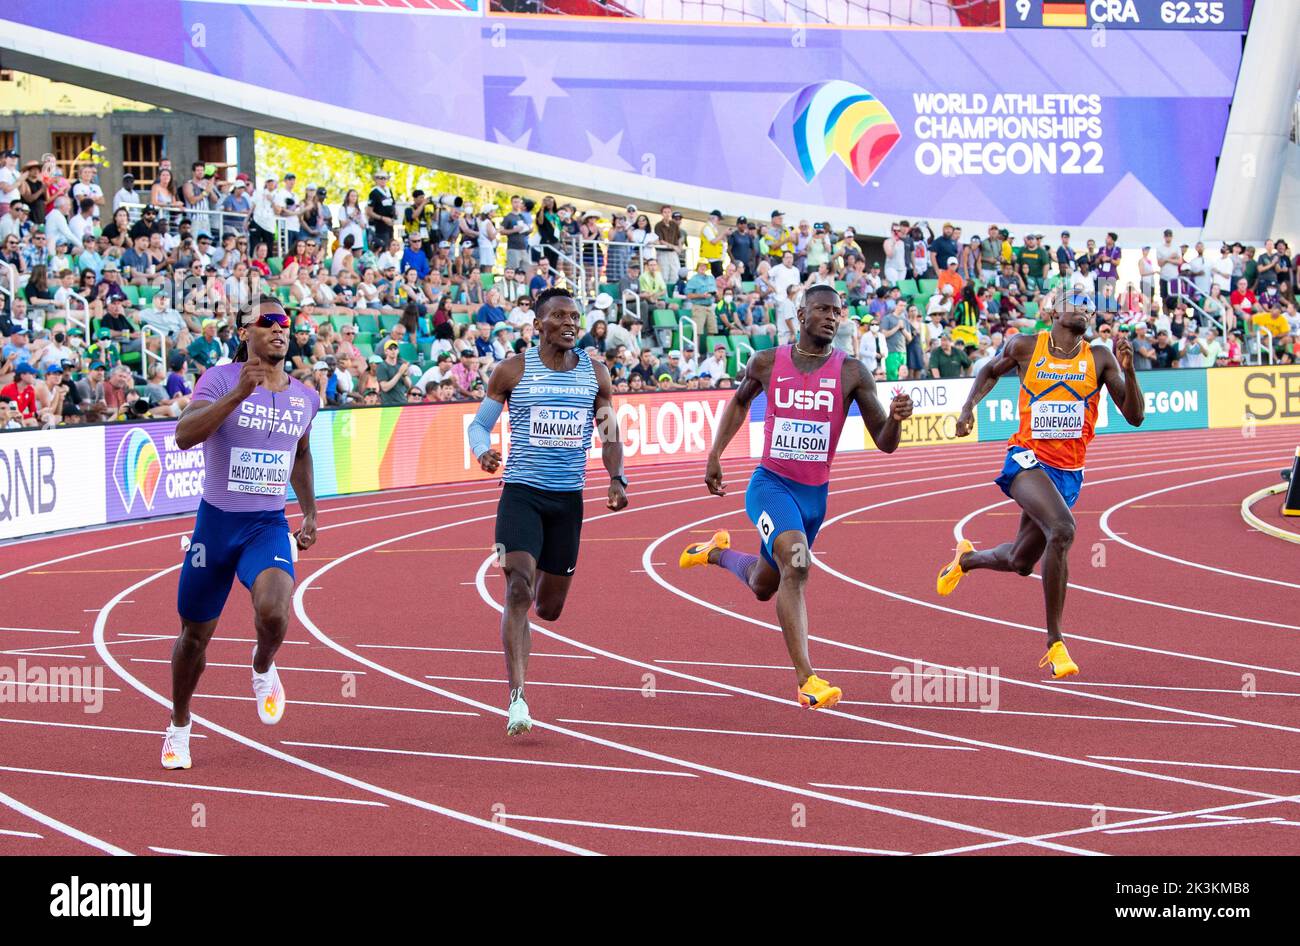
653	288
9	178
624	335
21	393
702	293
33	191
669	243
715	367
205	351
948	360
742	246
1166	350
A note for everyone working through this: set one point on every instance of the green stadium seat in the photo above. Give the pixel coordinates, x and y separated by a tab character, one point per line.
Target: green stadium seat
762	342
426	352
386	322
276	265
338	321
841	285
664	318
406	351
132	295
365	349
365	338
610	287
460	318
368	324
747	286
487	279
713	341
147	293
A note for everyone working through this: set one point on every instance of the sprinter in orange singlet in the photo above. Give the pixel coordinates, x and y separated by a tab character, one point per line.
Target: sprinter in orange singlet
1061	377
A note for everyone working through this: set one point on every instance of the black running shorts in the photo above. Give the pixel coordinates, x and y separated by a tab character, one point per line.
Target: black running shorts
544	523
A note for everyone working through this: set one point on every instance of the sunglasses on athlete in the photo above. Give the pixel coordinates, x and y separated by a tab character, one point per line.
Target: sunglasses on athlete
267	319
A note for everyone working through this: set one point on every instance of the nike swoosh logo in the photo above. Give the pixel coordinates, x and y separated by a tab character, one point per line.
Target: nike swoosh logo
569	572
785	379
285	560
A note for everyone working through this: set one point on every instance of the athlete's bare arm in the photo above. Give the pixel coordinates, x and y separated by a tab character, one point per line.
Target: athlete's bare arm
758	371
1116	372
885	428
303	480
611	439
1015	353
501	383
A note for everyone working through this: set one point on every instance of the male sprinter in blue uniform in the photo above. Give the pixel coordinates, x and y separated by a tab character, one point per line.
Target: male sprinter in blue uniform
254	421
556	395
809	386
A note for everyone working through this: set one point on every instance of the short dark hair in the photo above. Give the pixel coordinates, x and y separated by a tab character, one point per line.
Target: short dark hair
546	295
820	287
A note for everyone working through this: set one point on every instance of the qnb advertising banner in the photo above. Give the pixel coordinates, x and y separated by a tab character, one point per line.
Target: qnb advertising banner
1101	114
49	480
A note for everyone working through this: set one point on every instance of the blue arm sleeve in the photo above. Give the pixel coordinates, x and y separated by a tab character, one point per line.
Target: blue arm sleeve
480	428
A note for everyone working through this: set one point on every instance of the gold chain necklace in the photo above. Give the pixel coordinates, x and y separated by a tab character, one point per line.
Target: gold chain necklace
1062	354
813	354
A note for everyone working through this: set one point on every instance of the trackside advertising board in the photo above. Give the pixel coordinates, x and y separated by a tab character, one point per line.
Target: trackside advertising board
52	480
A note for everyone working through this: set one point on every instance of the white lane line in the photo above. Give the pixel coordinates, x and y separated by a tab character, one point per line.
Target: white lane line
991	798
1104	524
786	668
579	686
1187	827
767	735
1200	765
26	685
41	652
42	722
706	835
210	665
801	792
179	853
1100	828
38	630
1148	686
21	834
59	826
191	786
171	636
101	623
468	650
1002	712
490	758
365	706
44	651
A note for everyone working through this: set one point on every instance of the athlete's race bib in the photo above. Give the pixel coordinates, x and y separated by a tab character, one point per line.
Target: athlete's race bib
1057	420
1026	459
561	427
265	472
807	440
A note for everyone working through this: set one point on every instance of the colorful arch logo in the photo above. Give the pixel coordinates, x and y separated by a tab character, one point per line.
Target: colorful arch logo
834	118
137	469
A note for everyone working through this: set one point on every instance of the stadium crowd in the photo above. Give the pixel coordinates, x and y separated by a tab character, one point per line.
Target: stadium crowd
113	305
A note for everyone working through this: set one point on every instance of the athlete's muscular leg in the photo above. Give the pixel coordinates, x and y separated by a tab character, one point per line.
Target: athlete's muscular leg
272	593
520	570
794	559
1019	555
189	657
1043	504
552	590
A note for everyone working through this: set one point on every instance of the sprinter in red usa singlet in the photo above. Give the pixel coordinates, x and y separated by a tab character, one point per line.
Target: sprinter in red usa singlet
1061	379
810	386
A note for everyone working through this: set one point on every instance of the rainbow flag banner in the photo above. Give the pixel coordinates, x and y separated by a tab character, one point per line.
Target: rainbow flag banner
1069	14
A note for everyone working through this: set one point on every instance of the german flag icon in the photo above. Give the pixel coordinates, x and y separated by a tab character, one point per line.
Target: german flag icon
1073	14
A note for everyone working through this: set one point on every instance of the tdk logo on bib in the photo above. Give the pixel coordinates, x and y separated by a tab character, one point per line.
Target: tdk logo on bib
805	400
562	427
263	472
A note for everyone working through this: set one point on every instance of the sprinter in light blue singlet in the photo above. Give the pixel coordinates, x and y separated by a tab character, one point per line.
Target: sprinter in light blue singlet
558	399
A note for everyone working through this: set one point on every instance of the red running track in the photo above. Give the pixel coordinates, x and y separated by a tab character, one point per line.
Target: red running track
665	703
